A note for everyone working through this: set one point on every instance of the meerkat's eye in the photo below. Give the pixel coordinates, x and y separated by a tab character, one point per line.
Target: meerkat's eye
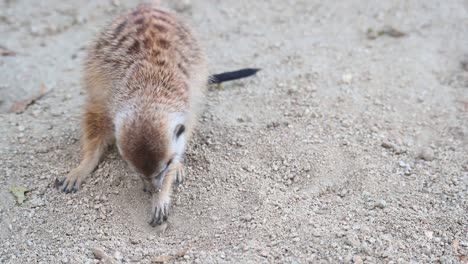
179	130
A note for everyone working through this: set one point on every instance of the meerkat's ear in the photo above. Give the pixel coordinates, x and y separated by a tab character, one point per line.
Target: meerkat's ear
179	129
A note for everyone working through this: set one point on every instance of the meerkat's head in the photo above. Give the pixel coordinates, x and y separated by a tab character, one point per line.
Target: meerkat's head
150	142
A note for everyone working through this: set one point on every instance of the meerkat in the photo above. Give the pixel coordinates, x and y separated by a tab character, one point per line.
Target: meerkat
145	76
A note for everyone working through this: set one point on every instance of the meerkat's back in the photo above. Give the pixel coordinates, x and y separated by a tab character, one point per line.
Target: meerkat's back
144	50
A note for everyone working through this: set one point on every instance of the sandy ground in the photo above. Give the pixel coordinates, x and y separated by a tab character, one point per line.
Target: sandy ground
343	149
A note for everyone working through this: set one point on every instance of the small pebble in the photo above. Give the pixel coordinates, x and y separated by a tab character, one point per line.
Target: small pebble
402	164
347	78
429	234
427	154
352	240
99	253
391	146
357	260
56	112
246	218
67	97
183	5
35	113
343	193
381	204
408	171
79	20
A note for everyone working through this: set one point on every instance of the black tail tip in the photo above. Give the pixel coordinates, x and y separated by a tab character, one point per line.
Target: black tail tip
250	71
235	75
254	70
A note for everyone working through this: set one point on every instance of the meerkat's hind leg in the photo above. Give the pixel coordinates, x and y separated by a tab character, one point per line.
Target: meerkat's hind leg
97	134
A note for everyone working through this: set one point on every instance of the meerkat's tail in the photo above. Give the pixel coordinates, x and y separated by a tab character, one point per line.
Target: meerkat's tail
234	75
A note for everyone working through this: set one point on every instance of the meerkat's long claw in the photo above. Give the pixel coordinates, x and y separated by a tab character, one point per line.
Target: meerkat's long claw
160	214
69	185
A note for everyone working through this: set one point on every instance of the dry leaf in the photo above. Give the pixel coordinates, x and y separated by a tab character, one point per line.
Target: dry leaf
20	106
386	30
392	32
371	34
162	259
456	245
6	52
19	192
183	251
102	256
167	258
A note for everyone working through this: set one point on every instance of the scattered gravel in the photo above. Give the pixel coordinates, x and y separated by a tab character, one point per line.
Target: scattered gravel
341	150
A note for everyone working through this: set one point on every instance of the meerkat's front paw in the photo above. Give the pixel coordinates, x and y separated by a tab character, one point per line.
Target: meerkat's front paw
180	174
160	212
72	182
